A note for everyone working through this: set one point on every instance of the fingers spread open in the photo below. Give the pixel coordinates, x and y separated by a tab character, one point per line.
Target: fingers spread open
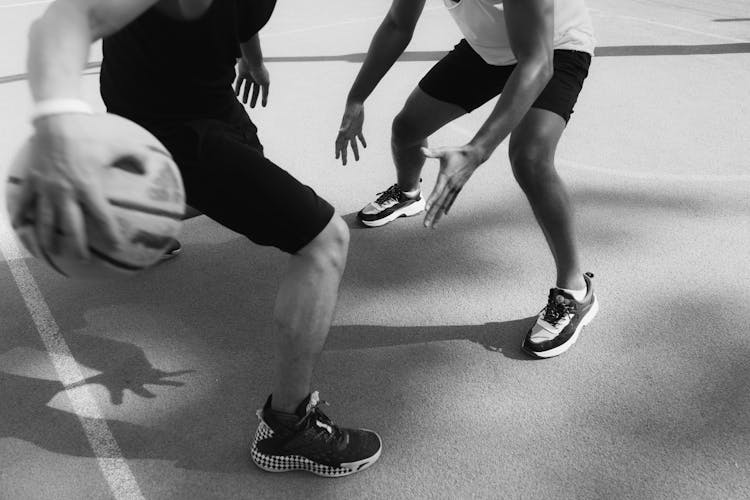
451	198
256	90
355	149
437	191
343	154
245	95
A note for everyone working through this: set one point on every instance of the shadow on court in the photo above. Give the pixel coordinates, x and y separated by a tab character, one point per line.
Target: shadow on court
215	302
501	337
223	312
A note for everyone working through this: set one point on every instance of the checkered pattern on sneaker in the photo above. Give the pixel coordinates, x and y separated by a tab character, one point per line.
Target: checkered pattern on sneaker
302	439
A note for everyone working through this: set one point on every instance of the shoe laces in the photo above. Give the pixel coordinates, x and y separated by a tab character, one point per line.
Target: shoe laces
392	193
558	307
316	420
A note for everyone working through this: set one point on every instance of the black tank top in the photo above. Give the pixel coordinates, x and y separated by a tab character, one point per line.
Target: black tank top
161	68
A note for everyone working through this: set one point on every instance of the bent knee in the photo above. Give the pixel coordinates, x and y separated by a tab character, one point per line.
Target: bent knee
531	166
404	131
330	246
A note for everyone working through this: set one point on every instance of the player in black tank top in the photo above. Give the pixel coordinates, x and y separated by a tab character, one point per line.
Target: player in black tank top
174	77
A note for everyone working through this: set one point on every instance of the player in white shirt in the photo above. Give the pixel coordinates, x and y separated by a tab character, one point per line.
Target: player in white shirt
535	54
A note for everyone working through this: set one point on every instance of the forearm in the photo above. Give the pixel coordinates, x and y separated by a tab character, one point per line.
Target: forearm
387	45
251	50
60	40
521	90
59	45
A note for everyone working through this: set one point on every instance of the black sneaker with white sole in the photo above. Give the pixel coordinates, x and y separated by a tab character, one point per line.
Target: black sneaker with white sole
313	443
560	322
390	205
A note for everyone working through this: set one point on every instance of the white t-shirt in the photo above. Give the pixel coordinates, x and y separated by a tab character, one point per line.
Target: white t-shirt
482	23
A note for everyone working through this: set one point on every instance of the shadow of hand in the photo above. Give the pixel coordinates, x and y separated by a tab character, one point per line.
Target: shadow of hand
134	380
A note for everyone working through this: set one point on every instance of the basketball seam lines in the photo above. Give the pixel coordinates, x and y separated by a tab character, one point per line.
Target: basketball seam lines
129	205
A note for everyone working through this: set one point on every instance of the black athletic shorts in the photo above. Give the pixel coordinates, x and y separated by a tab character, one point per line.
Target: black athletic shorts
228	178
463	78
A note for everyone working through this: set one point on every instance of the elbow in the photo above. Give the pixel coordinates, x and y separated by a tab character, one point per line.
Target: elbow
539	69
545	68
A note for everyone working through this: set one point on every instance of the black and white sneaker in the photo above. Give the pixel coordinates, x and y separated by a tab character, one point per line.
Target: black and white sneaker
313	443
390	205
558	325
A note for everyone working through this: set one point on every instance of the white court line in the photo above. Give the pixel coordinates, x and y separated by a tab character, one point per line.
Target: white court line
671	26
116	472
626	173
23	4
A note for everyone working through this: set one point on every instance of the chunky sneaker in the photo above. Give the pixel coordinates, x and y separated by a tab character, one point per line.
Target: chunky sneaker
390	205
312	443
559	323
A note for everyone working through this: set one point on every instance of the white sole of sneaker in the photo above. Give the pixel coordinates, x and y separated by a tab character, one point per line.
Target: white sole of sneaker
296	462
567	345
408	211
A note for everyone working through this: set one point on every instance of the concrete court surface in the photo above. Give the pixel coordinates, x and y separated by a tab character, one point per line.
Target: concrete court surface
164	372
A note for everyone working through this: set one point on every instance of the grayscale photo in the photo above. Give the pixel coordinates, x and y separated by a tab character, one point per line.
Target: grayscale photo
393	249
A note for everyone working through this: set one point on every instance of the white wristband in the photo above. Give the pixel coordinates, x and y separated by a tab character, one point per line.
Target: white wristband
60	106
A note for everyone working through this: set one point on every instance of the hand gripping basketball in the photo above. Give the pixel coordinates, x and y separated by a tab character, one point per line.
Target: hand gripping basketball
94	196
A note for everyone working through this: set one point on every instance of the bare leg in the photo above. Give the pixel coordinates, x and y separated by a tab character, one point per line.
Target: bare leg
304	309
420	117
532	155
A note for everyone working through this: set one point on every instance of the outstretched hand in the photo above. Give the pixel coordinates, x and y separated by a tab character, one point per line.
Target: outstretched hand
254	77
457	164
350	131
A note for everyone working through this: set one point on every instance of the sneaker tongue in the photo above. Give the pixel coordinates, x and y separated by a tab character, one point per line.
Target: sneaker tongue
307	404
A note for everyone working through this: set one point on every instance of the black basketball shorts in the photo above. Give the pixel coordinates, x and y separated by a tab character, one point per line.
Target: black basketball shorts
463	78
228	178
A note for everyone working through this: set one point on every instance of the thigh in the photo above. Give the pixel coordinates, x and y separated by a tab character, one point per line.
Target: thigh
227	178
422	115
464	79
561	93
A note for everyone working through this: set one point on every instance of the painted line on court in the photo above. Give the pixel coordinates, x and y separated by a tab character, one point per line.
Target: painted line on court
23	4
625	173
116	472
671	26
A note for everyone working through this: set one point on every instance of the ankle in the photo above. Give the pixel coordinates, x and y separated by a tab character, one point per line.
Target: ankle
284	403
410	189
571	280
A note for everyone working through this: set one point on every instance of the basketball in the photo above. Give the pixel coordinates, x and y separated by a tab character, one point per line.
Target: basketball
146	197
